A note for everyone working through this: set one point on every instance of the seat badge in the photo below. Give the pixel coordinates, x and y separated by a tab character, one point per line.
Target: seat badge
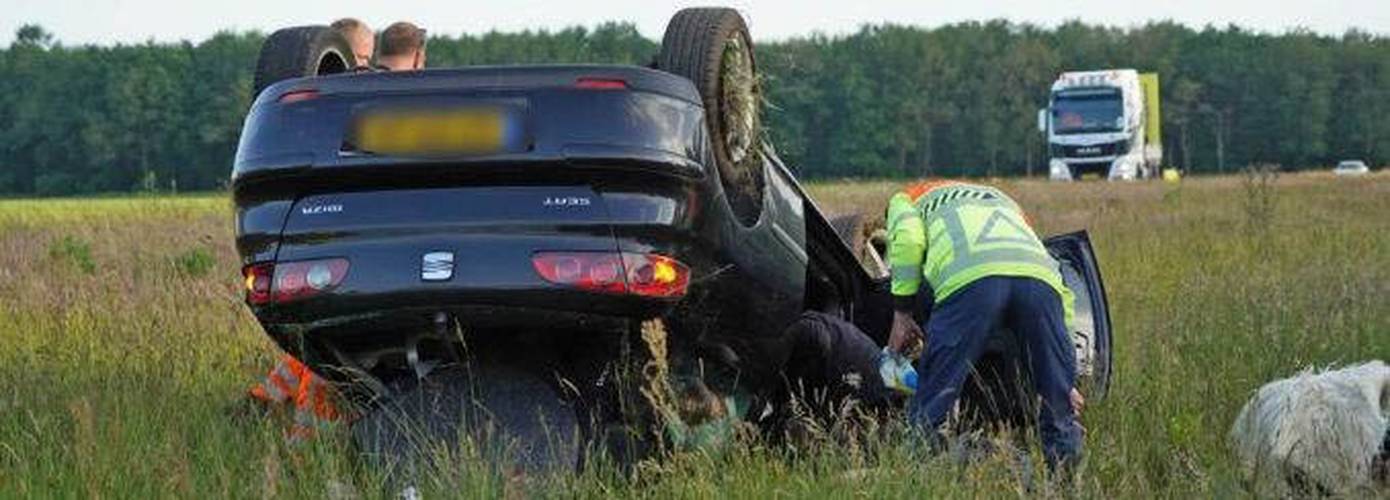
437	266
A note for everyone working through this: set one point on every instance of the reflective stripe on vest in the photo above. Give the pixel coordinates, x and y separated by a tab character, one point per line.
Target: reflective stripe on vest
904	272
281	383
985	229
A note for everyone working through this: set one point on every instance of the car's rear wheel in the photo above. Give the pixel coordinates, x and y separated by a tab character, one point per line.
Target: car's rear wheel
301	51
712	48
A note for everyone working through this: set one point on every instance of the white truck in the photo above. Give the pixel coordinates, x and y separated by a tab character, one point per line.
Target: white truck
1103	122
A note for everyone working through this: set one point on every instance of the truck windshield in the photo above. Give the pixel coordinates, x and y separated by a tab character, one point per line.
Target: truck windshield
1087	110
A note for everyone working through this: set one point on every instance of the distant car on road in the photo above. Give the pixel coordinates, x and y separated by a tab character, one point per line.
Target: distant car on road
1351	167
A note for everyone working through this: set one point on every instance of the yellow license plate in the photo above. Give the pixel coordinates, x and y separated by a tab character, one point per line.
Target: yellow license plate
431	133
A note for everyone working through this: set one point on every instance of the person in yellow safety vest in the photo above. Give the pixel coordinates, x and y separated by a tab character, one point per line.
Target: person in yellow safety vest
312	399
984	268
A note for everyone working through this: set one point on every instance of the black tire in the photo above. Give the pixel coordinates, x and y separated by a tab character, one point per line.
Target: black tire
301	51
712	48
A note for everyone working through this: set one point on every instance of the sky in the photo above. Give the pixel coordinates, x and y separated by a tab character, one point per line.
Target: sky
135	21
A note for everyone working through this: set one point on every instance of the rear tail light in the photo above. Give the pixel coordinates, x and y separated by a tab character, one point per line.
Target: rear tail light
593	83
653	275
290	281
298	95
593	271
647	275
298	280
257	278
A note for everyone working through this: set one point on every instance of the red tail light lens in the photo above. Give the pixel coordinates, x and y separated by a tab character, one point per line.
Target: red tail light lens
592	83
298	280
648	275
593	271
290	281
257	278
298	95
653	275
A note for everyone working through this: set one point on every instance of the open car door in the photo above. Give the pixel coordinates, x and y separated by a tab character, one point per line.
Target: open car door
1090	328
997	391
1090	331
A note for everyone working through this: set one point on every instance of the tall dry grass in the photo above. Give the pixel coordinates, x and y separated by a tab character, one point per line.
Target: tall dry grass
125	351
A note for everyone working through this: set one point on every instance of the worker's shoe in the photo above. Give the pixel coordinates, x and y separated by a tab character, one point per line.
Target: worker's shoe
1062	474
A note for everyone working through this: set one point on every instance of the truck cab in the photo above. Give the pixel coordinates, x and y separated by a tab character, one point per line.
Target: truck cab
1103	123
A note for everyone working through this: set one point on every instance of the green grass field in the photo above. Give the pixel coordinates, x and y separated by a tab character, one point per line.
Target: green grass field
124	343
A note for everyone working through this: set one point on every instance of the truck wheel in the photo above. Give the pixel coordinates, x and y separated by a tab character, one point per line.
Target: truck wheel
712	48
298	52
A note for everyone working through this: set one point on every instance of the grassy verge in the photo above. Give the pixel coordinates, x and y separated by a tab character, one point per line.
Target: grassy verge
126	349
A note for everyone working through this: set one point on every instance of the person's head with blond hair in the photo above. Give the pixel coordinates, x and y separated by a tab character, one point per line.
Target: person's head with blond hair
402	47
359	36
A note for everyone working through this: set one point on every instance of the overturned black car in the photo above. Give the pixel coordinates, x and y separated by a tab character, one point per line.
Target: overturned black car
530	219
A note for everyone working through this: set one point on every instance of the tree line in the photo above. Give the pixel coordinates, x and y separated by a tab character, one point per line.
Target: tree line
885	101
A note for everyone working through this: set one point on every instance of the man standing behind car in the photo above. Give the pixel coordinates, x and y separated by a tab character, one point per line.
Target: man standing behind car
359	37
402	47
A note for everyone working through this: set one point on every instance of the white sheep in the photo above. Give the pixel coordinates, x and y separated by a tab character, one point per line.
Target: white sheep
1317	433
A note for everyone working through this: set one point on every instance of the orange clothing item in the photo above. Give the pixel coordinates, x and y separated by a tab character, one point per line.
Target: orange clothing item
292	383
917	191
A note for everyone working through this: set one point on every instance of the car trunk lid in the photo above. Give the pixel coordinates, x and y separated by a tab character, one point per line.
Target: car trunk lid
413	247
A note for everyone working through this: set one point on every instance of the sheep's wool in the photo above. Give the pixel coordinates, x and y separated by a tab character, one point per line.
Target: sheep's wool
1318	430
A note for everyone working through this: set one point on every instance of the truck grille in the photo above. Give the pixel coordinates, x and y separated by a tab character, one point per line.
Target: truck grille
1091	151
1101	168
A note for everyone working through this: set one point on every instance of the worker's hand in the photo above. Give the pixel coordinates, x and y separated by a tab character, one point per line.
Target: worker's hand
1078	403
905	333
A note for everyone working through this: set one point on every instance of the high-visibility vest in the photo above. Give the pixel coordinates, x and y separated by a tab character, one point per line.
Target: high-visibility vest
312	397
951	234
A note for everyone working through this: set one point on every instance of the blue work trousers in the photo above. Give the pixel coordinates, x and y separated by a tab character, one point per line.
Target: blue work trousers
957	331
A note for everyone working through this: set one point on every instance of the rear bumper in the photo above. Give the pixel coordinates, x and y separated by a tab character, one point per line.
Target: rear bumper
494	288
656	122
390	326
1075	169
1123	167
